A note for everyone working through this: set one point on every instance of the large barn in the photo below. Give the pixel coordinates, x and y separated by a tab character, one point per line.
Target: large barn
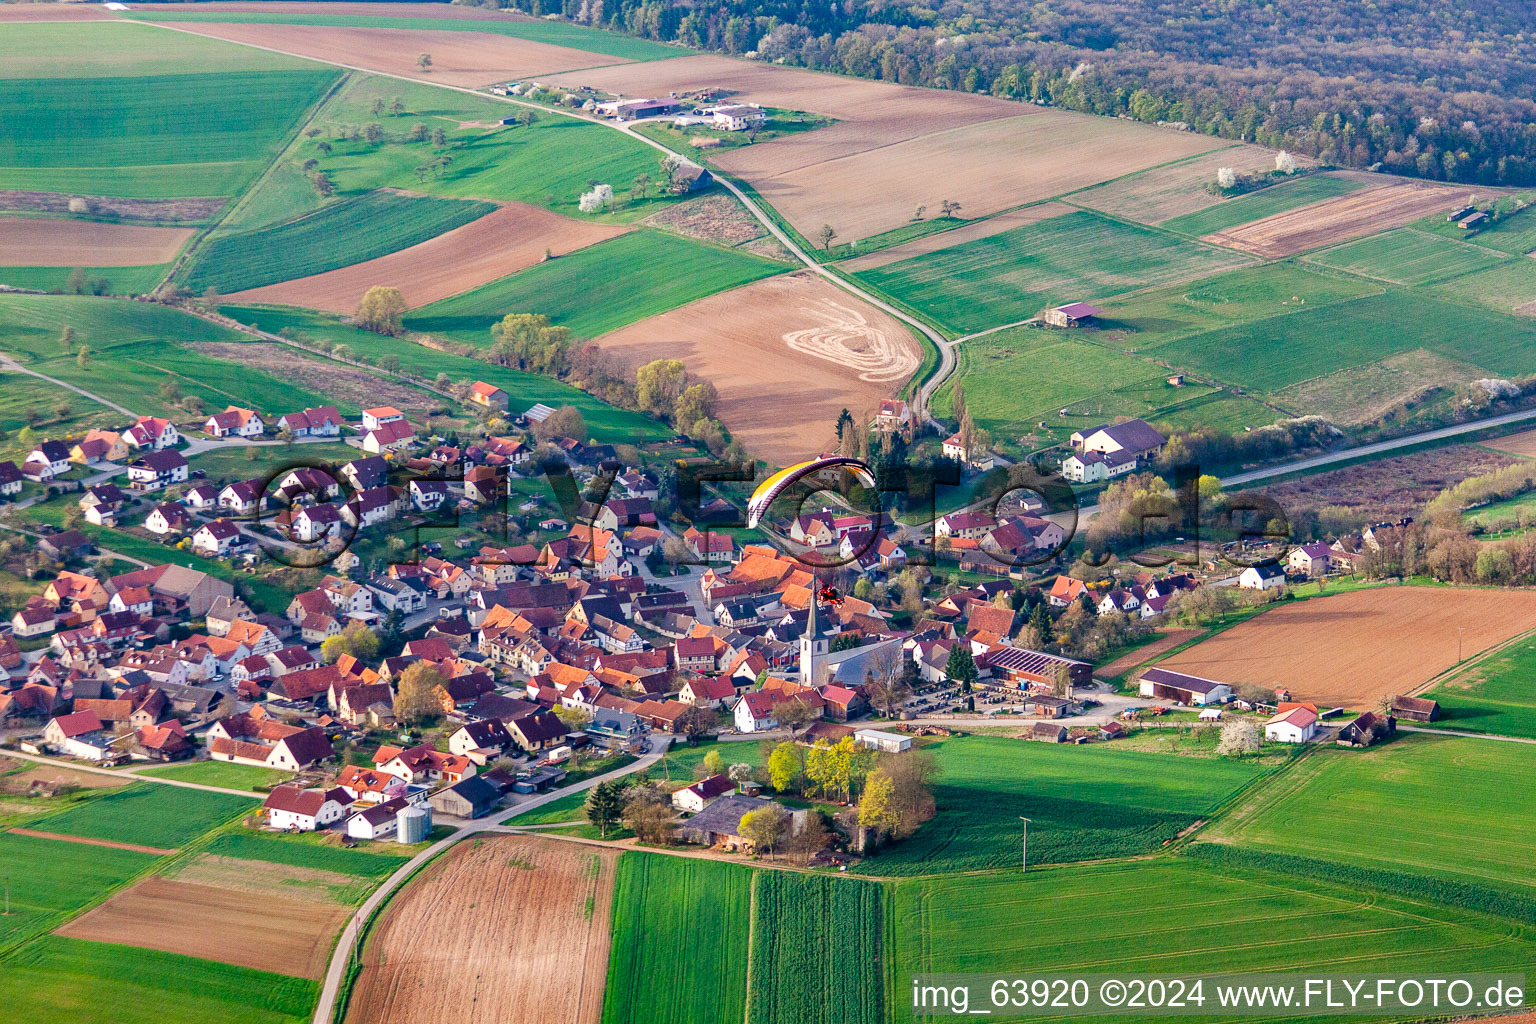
1186	689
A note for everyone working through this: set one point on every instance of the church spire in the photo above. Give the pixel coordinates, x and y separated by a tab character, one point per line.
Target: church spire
808	641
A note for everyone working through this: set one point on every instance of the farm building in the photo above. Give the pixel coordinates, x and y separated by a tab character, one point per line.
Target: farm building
885	742
1048	732
488	395
1366	729
1186	689
693	799
467	798
1074	314
1021	667
1415	709
719	824
304	810
1136	438
1297	725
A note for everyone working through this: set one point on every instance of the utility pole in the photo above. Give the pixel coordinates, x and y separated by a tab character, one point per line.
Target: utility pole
1024	854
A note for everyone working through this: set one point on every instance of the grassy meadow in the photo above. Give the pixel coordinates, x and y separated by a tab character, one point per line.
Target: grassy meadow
1406	257
120	280
340	234
680	937
1496	695
148	815
1013	275
121	49
1084	803
598	289
1263	203
225	774
1431	795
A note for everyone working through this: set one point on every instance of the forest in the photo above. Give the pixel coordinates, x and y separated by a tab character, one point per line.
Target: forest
1435	90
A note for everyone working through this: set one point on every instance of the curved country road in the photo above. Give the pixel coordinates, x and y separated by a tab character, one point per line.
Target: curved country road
946	349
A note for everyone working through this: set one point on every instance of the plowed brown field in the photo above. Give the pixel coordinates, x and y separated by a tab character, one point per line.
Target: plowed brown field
1339	219
458	58
1350	649
1523	443
787	354
54	12
895	146
248	928
505	930
500	243
366	10
1163	193
41	242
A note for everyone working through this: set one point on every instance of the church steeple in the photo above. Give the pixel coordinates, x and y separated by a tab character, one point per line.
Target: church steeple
811	643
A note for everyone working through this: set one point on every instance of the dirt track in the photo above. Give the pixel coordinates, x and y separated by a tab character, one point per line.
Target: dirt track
787	354
250	929
87	841
1339	219
49	242
1351	649
504	930
503	242
458	58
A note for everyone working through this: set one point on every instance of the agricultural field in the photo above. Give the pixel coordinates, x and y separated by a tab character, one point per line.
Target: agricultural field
219	773
547	163
351	231
963	231
513	238
1268	356
1092	382
1265	202
1181	187
1351	649
1497	694
52	242
1508	286
119	49
816	950
526	912
58	980
425	16
598	289
350	388
786	354
150	136
604	422
1312	810
148	815
1406	257
1084	803
52	879
1178	915
1011	276
134	280
1358	213
216	909
685	921
370	862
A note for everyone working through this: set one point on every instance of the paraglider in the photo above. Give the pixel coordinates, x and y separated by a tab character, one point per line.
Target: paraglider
776	484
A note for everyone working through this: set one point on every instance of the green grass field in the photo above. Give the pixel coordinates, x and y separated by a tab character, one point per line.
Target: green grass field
351	231
120	49
135	350
1407	257
680	936
1011	276
599	288
370	860
1272	354
816	950
148	814
553	33
120	280
225	774
1431	796
21	394
1085	803
71	981
1502	287
604	422
1173	916
1265	202
152	136
51	879
1496	695
547	164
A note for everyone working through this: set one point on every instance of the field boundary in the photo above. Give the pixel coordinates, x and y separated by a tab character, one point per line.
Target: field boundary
90	841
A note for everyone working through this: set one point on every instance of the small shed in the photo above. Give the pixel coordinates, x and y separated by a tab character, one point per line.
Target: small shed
1074	314
469	798
881	740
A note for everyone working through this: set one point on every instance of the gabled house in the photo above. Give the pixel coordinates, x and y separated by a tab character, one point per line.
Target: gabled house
292	809
156	470
152	432
235	422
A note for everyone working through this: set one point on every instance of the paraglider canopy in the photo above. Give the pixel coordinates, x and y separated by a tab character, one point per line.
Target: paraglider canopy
776	484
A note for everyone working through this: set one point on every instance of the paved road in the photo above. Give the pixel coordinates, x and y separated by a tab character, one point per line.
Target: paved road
342	955
131	773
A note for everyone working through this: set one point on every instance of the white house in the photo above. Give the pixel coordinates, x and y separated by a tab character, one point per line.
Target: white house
754	713
1311	560
156	470
315	522
215	539
1263	576
168	518
201	496
53	454
152	432
305	810
693	799
235	422
1091	467
377	417
1298	725
78	735
428	495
